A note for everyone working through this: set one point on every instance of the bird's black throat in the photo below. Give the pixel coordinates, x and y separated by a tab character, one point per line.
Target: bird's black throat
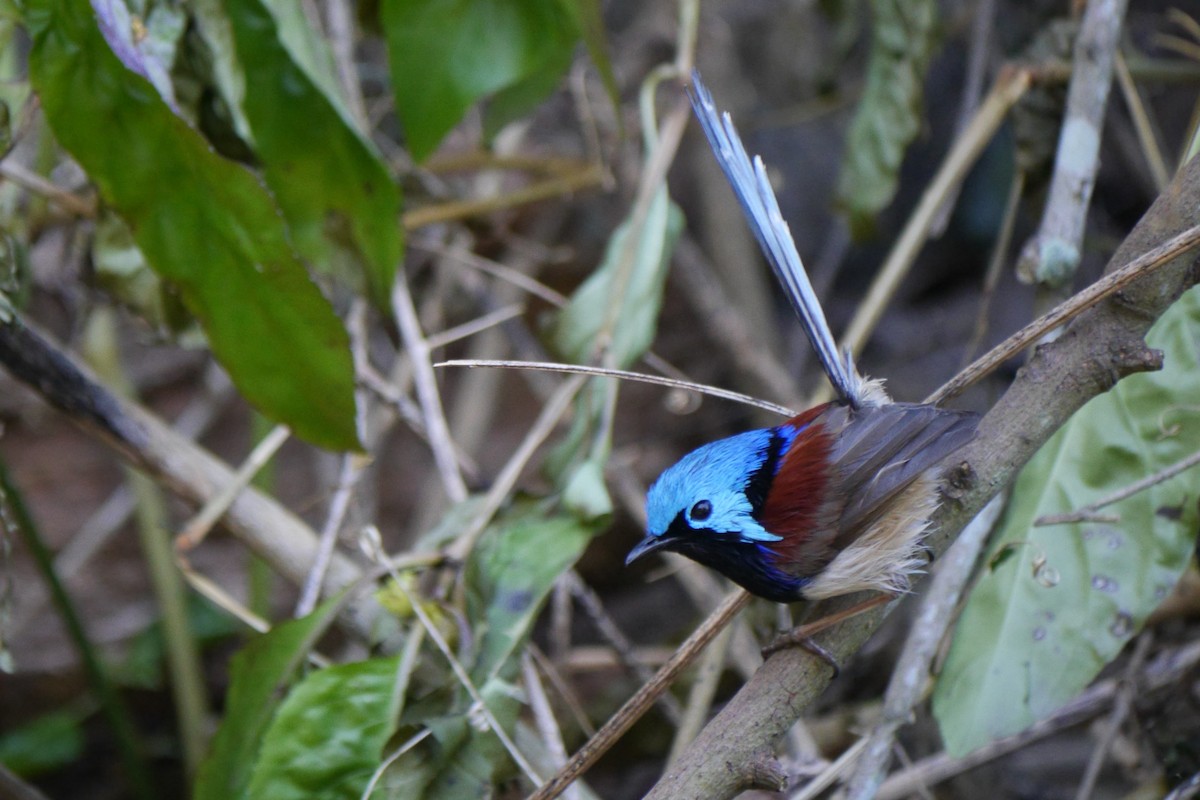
745	563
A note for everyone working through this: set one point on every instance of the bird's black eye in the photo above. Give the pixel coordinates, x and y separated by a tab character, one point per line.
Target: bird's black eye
701	511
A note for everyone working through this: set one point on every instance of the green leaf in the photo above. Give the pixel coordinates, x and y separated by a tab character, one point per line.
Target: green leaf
515	101
465	759
122	271
327	738
889	115
327	179
309	50
222	82
618	304
585	493
203	223
509	574
259	675
446	55
590	23
42	745
144	45
615	308
1057	603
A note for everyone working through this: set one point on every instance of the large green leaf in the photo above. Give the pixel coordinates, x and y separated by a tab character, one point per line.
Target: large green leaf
889	115
509	574
463	759
223	83
121	269
259	675
507	578
448	54
328	181
619	302
589	20
203	223
615	308
1057	603
47	743
327	738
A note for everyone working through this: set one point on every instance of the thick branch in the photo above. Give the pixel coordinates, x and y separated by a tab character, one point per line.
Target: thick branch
188	470
1100	347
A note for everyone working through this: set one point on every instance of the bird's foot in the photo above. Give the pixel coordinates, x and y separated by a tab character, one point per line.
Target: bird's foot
802	635
802	638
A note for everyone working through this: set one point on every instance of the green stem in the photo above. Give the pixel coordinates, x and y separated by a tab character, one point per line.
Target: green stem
111	704
261	576
183	654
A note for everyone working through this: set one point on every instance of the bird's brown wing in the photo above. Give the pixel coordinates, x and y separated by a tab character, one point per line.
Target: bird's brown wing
883	449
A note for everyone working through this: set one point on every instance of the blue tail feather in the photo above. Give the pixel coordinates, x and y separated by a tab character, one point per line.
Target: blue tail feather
754	192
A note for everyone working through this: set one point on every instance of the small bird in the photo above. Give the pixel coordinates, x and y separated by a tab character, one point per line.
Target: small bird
831	502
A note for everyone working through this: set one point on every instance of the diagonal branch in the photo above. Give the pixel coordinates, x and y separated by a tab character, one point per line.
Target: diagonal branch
1100	347
185	468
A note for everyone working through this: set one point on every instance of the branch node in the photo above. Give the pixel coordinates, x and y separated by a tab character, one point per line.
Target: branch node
958	481
765	772
1137	358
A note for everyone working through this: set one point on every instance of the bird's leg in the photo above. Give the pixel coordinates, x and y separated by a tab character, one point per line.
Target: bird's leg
801	636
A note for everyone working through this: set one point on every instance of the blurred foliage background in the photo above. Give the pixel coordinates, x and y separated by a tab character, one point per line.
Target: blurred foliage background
250	214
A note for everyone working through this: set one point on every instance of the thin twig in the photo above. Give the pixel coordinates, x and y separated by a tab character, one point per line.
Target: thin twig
637	705
1052	255
406	410
543	717
201	523
728	328
460	673
440	441
495	269
831	773
911	675
1122	705
620	643
996	262
658	380
392	758
1088	512
348	474
1166	669
700	696
1142	124
404	671
564	690
35	183
551	412
1010	86
472	327
543	190
1111	283
979	48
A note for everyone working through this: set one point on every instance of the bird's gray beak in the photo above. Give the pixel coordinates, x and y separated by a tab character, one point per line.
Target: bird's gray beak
649	544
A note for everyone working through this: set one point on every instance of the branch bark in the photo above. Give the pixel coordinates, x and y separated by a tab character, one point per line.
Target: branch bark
178	463
1099	348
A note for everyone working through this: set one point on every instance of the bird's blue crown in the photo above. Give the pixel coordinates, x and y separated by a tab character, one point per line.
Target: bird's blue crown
709	486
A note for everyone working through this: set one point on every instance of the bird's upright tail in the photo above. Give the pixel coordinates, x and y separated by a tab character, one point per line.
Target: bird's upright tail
754	192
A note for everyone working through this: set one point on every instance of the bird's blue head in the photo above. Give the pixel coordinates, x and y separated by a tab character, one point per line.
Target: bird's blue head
707	505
